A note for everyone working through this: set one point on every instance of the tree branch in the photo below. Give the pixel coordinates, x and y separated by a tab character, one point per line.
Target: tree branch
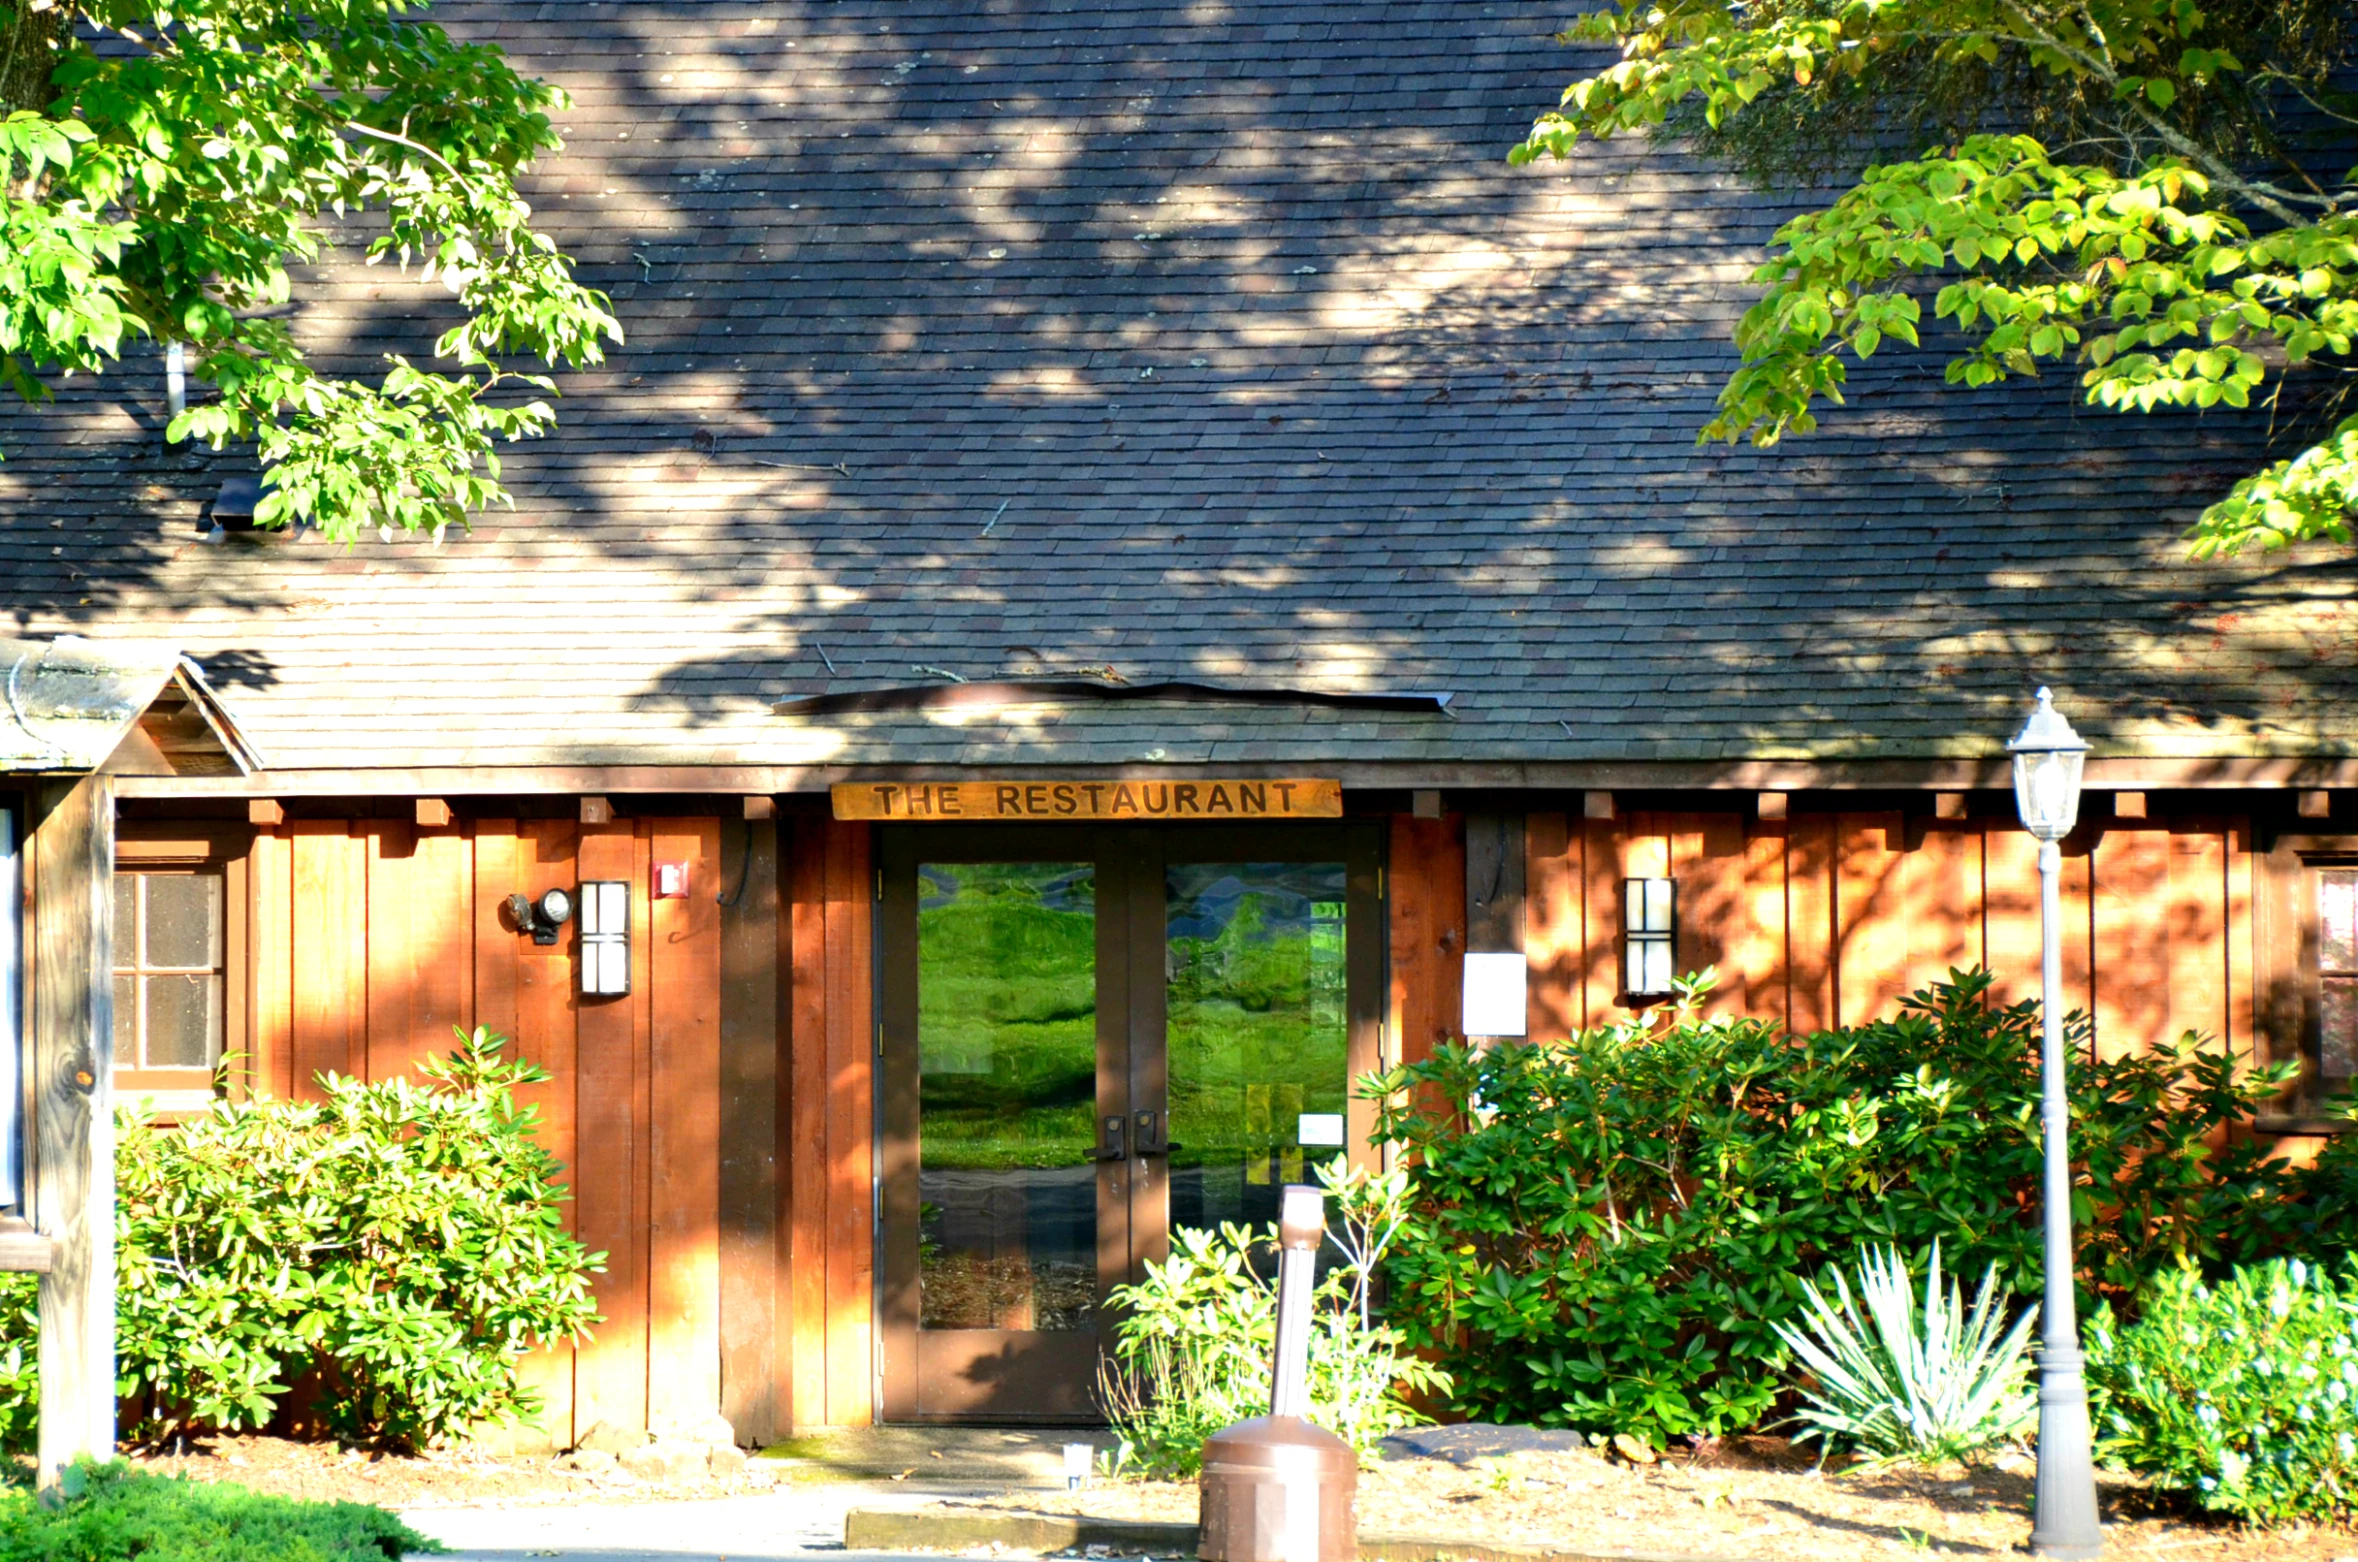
2270	198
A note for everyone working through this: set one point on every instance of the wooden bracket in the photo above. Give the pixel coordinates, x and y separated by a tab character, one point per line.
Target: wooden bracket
2315	805
597	810
2128	805
1775	805
1425	803
24	1250
1596	805
1948	805
433	813
266	810
757	808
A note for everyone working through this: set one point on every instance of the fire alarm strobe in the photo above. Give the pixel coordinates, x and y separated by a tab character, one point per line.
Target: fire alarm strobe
671	880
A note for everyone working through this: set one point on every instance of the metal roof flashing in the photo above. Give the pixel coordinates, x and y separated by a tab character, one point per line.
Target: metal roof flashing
1046	691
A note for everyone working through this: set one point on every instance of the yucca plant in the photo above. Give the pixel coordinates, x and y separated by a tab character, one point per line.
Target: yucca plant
1900	1388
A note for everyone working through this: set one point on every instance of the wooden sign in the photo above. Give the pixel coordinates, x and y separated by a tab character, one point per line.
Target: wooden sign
1088	802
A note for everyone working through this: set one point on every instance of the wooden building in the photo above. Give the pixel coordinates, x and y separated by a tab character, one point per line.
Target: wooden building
1125	545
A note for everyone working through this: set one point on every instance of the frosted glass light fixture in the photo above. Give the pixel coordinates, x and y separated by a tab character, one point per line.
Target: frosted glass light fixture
1649	936
2047	760
605	938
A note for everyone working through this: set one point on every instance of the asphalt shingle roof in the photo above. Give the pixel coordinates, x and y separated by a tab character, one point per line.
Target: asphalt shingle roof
1206	340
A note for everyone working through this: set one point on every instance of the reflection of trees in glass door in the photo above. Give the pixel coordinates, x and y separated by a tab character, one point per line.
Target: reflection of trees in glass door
1259	1045
1006	1095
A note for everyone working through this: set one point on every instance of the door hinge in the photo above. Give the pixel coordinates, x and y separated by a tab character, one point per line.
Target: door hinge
879	883
880	1038
1379	883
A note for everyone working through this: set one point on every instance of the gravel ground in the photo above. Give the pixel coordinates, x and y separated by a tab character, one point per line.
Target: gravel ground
1753	1498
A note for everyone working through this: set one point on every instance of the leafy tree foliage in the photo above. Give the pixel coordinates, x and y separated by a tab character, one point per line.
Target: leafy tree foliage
164	166
2145	188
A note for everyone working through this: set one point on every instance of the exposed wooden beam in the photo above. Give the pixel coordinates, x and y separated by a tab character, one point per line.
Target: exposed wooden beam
1596	805
760	808
2128	805
433	813
1773	805
2223	773
2316	805
266	811
597	810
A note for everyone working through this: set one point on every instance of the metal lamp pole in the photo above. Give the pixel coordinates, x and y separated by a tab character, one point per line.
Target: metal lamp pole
2047	760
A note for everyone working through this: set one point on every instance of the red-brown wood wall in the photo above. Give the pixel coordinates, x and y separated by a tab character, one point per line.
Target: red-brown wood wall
1830	918
716	1123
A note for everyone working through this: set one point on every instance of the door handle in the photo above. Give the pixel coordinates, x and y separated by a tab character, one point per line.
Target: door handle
1151	1129
1111	1149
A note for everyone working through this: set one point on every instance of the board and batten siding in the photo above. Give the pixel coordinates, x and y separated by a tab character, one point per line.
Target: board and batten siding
727	1186
717	1124
1830	918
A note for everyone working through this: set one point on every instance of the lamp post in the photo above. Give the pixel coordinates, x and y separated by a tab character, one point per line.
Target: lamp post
2047	758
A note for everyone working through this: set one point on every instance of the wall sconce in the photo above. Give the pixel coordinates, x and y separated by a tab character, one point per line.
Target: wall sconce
605	938
542	918
1649	936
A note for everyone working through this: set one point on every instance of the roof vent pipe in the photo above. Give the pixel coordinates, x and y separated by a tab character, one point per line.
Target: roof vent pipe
175	382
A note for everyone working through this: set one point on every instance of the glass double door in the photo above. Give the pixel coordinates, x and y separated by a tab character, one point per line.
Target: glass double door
1090	1035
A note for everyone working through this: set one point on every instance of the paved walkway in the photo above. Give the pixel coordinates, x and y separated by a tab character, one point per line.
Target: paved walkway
793	1522
826	1474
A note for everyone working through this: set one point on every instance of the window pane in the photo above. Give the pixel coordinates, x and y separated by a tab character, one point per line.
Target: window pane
126	1017
2337	919
183	1020
1007	1095
1259	1056
126	926
183	920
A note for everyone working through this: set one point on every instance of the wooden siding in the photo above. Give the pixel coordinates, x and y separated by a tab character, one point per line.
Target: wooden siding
718	1122
374	938
1830	918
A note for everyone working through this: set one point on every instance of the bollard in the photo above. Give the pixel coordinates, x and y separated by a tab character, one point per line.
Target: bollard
1276	1488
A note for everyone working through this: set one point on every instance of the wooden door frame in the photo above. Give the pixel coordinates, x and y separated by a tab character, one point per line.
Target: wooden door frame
1131	862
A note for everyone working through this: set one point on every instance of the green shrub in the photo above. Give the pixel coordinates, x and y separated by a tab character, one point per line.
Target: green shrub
1191	1354
110	1514
1897	1384
399	1244
2242	1392
1605	1232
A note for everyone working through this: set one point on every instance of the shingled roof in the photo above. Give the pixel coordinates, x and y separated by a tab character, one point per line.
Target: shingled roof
1193	341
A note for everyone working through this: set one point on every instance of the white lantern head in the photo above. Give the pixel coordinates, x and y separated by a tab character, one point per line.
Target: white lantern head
2047	759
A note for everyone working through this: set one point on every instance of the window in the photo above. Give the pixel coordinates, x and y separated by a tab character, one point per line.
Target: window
12	1034
2336	1000
171	958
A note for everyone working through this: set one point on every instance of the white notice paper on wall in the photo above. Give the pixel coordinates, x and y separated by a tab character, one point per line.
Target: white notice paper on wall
1320	1130
1494	995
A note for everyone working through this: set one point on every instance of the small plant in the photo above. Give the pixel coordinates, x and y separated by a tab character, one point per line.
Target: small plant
1192	1352
1897	1387
2242	1394
107	1513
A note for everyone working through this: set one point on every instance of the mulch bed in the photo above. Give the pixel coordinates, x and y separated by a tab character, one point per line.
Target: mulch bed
323	1472
1755	1498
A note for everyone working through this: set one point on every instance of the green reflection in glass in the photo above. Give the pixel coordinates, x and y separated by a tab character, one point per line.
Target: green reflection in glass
1259	1047
1007	1090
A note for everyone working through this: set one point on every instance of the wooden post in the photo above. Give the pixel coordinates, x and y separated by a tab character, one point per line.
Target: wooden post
70	1054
